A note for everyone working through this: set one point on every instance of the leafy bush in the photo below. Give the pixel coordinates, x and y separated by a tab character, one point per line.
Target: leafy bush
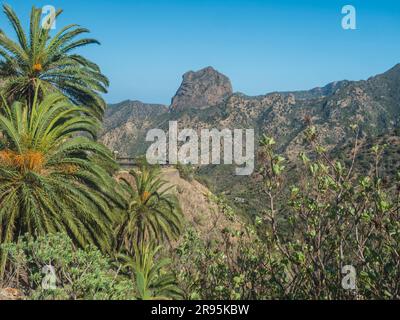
151	275
80	274
186	171
299	246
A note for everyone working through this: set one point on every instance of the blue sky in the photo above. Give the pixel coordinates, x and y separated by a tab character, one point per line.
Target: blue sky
262	46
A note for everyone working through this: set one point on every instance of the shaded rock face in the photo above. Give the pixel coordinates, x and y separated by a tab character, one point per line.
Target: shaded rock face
201	89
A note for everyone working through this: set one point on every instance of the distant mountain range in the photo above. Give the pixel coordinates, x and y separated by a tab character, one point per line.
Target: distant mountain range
205	99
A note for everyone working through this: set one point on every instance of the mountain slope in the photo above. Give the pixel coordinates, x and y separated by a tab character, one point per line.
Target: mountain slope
126	123
372	104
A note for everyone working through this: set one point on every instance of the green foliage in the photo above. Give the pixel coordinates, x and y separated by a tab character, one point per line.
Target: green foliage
237	268
223	206
55	178
186	171
153	212
45	61
48	179
318	214
153	280
80	274
330	218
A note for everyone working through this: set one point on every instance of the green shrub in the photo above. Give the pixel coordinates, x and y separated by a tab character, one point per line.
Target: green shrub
186	171
80	274
331	218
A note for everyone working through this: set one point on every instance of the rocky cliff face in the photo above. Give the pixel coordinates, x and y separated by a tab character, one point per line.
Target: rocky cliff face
201	89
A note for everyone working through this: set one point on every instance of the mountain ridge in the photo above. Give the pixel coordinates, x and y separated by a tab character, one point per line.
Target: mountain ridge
373	103
324	90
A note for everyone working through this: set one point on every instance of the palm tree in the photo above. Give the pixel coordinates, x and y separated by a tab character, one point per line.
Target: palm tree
153	212
48	62
153	282
50	179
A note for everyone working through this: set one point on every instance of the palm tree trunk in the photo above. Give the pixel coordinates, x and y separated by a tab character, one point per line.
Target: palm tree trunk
3	261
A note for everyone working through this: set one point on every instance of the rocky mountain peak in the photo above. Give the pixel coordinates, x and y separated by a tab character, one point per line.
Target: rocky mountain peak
204	88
